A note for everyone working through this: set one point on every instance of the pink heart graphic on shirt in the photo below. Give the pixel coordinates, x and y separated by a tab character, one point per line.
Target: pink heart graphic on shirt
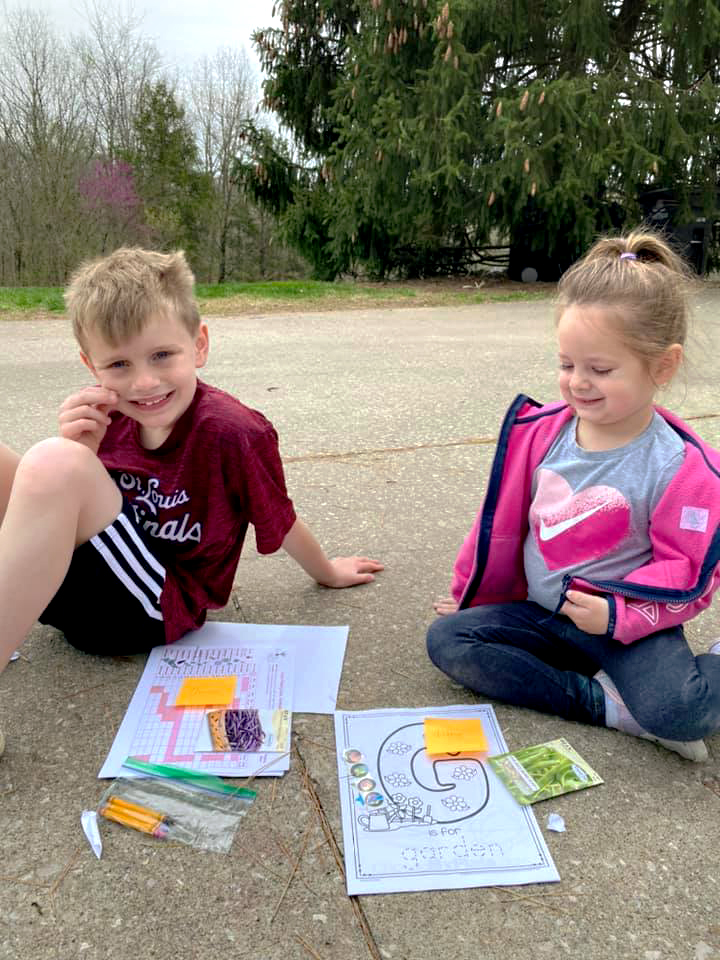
573	528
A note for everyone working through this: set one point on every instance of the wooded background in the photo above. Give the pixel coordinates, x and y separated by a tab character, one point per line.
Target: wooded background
405	137
102	145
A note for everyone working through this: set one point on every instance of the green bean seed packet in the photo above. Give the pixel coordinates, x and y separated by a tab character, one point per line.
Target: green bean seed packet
547	770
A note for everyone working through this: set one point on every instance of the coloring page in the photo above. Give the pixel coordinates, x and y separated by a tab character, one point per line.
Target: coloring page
415	822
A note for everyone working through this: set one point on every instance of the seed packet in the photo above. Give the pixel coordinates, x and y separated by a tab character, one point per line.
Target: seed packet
546	770
249	730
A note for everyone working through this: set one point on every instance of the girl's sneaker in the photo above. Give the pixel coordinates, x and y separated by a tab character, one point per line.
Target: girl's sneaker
619	717
715	648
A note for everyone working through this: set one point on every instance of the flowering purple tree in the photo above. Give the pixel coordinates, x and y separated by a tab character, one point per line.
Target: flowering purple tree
109	197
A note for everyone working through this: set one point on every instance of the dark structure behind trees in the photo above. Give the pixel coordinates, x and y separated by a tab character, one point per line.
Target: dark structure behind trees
426	130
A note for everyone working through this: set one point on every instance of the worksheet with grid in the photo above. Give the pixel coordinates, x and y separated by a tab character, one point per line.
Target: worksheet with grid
157	731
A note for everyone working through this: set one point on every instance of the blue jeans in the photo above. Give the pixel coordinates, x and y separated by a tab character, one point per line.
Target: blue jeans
522	654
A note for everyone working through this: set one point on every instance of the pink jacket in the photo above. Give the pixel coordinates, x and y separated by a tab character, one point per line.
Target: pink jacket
674	586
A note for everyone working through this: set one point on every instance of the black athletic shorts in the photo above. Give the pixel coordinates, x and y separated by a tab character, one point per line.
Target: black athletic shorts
109	601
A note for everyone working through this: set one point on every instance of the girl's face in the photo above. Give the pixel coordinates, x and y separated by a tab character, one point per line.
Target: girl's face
609	386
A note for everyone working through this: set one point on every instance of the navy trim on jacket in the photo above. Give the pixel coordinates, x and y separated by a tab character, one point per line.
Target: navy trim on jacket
493	492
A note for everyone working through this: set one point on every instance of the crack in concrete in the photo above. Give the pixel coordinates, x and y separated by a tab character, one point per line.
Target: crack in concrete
354	454
435	445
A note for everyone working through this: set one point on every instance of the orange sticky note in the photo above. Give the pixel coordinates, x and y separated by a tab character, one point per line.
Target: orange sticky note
206	692
454	735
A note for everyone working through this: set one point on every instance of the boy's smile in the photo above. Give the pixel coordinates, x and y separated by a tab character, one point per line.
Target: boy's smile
153	373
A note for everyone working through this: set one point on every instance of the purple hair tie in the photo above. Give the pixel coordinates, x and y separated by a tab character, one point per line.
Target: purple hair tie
628	256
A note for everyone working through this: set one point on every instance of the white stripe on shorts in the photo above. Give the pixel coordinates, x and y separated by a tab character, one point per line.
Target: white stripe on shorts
139	543
120	538
125	544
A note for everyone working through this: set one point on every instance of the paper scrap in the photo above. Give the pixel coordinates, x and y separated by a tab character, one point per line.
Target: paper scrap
206	692
556	823
454	735
89	821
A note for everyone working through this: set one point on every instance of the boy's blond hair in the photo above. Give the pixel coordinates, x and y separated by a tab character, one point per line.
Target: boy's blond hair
116	295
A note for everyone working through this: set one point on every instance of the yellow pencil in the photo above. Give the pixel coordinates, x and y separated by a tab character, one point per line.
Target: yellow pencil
146	825
135	807
149	817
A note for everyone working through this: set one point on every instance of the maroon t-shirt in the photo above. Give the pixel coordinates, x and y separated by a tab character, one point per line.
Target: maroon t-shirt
194	496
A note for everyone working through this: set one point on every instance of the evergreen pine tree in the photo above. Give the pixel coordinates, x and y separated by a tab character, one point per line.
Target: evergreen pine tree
437	126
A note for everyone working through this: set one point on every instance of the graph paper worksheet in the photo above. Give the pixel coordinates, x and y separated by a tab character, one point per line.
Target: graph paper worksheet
156	731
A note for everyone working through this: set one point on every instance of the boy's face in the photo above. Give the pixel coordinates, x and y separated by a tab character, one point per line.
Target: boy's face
153	373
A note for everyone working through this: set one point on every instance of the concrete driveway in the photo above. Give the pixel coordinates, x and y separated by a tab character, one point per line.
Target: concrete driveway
387	420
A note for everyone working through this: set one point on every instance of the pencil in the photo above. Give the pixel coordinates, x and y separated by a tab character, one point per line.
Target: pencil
116	801
155	828
147	816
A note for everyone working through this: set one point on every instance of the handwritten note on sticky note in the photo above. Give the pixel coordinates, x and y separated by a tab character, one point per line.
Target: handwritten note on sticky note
206	692
454	735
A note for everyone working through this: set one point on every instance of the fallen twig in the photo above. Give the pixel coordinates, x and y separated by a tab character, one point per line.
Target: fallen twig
399	674
65	871
263	866
316	743
303	943
292	872
95	686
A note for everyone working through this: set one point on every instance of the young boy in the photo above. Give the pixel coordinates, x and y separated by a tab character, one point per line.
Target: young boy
127	528
8	465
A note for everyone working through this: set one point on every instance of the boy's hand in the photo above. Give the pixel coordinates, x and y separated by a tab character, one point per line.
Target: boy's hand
340	572
351	571
445	605
84	416
587	611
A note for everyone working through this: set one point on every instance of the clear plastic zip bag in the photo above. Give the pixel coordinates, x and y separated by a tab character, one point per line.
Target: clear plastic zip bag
173	804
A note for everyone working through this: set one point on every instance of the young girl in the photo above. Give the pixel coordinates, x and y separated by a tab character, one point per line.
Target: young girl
599	532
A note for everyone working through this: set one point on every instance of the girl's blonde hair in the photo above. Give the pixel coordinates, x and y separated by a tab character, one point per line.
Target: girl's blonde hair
641	278
115	296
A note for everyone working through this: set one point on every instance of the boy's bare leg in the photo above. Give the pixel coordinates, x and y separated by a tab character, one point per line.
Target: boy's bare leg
8	465
61	496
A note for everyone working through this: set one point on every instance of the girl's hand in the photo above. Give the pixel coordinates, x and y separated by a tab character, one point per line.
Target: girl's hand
444	606
587	611
84	416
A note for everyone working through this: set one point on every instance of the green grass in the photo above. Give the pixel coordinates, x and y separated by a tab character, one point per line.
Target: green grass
235	298
295	290
46	299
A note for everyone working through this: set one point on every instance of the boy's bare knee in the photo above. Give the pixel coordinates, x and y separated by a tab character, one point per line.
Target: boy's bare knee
54	464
